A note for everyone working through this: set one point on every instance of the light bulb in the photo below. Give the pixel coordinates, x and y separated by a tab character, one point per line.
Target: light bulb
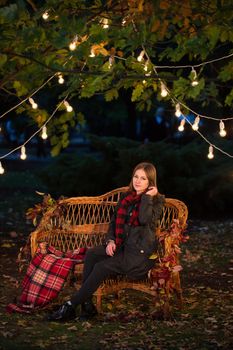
69	108
72	46
164	91
2	171
194	82
140	57
60	79
178	111
181	126
111	61
23	155
45	15
33	103
105	23
222	132
195	125
44	133
211	152
92	54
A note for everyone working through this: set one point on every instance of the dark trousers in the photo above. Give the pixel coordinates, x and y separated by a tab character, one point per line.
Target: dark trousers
97	267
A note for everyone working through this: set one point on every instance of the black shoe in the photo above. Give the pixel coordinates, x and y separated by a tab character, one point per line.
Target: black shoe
88	311
66	312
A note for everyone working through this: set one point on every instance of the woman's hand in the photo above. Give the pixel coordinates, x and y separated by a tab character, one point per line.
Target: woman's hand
111	247
152	191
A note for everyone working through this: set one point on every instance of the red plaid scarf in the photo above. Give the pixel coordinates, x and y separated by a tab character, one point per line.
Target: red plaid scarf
131	200
45	277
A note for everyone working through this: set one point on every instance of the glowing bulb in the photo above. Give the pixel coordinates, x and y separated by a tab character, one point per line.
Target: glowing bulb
140	57
2	171
45	15
105	23
111	61
164	91
69	108
194	78
33	103
44	133
211	152
144	82
195	125
72	46
178	111
181	126
222	132
92	54
60	79
23	155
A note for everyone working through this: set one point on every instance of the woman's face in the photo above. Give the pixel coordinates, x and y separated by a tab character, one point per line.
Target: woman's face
140	181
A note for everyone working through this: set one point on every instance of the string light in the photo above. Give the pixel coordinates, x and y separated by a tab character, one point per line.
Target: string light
60	79
195	125
111	61
194	77
69	108
44	135
73	44
33	103
104	22
92	54
211	152
178	111
2	171
45	15
141	56
23	155
181	126
163	88
222	131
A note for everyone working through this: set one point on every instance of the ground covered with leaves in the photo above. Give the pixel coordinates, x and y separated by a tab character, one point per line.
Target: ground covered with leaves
205	322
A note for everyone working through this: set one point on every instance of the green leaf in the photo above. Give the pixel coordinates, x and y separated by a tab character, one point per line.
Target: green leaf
111	94
137	92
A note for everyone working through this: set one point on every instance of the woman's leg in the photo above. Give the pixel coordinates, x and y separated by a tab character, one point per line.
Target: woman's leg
95	275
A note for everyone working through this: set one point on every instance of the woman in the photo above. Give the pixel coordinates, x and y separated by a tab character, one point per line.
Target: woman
129	243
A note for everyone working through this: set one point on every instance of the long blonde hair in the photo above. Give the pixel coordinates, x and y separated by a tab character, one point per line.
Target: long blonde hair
150	173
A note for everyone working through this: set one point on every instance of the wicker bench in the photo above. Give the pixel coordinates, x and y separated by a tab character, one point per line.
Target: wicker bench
83	222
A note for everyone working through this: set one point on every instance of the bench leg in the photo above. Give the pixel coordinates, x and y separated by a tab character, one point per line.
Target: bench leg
99	303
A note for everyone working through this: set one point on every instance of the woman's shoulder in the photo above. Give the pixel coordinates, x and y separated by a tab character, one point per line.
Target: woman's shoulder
159	198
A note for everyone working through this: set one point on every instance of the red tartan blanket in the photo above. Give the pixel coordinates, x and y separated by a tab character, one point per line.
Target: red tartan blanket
45	277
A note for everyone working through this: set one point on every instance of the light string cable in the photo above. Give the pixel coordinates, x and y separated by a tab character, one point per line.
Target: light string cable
35	133
182	104
29	96
46	122
200	134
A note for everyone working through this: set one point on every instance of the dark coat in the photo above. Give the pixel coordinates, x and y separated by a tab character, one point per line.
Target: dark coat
140	241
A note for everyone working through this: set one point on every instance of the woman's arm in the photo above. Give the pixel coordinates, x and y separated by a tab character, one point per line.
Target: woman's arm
150	209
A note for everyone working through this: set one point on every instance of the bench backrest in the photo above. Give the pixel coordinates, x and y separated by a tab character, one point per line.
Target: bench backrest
83	221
